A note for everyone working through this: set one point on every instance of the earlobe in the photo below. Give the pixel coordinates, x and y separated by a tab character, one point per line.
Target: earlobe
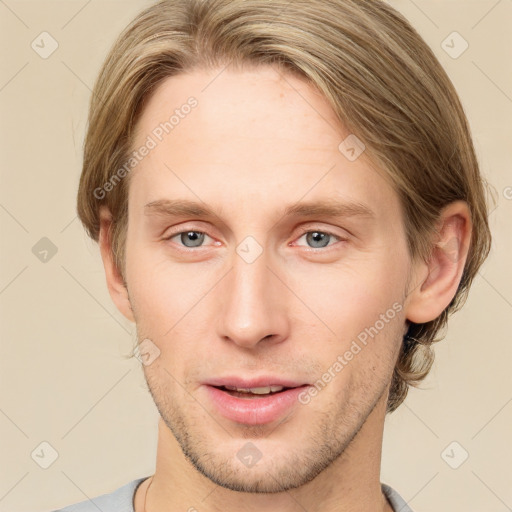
436	281
116	286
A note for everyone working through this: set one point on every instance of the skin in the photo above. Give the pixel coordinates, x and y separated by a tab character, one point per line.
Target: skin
257	142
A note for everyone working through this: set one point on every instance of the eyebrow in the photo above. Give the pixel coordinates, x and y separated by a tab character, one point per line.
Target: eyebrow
330	208
325	208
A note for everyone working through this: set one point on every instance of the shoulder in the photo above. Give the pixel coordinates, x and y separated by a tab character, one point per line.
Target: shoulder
396	501
120	500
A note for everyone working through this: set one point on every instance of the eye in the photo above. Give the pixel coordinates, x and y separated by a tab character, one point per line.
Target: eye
319	239
315	239
190	238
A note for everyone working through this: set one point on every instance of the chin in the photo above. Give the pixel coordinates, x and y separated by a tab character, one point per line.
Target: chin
250	481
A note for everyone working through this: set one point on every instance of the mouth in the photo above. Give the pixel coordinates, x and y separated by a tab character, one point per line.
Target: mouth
257	405
252	393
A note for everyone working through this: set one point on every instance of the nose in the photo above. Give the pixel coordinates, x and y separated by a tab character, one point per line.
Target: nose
253	304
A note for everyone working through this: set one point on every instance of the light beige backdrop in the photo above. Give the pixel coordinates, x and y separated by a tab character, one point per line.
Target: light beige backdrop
64	382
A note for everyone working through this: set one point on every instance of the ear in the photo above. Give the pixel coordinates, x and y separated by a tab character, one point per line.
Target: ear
435	282
115	284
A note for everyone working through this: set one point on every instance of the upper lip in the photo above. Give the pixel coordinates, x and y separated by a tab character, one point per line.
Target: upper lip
256	382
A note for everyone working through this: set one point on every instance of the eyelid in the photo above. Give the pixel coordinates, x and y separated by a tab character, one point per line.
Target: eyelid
319	229
183	228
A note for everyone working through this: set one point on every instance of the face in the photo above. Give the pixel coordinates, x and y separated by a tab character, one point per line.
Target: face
291	268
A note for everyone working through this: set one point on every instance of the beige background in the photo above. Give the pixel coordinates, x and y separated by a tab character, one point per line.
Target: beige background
63	378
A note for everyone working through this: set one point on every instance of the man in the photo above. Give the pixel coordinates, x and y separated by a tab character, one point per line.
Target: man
288	207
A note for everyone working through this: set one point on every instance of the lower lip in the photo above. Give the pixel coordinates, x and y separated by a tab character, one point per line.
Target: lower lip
254	411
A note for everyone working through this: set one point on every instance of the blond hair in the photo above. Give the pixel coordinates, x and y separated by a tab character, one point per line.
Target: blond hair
382	80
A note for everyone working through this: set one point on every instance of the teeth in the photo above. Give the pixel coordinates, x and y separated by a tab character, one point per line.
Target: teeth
256	391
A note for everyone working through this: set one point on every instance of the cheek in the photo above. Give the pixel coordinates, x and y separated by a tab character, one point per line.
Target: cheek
351	297
359	310
161	288
167	301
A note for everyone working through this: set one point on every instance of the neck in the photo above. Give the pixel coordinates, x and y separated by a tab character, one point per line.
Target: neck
350	483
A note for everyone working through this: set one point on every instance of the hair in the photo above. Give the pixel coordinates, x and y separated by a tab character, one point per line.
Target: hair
382	80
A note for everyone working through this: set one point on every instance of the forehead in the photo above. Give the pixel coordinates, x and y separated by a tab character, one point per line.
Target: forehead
255	134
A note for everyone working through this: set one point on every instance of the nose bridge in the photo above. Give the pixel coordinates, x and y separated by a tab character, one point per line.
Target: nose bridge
253	299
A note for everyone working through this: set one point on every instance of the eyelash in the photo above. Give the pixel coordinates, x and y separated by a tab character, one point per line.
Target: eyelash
304	232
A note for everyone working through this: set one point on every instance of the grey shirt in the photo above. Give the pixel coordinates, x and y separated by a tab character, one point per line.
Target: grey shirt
121	500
